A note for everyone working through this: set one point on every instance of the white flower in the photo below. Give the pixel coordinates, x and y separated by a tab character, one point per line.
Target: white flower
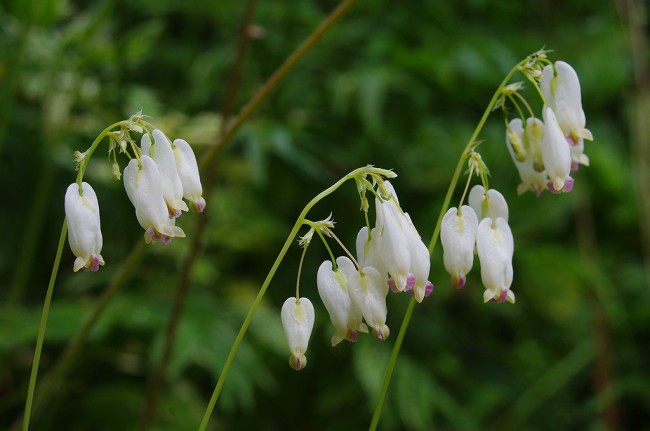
143	187
333	290
368	293
297	322
491	204
84	231
188	172
404	255
556	154
561	89
495	247
172	188
458	236
368	251
531	137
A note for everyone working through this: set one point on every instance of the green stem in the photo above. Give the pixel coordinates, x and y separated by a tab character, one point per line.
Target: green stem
42	326
89	152
434	239
391	364
72	348
258	299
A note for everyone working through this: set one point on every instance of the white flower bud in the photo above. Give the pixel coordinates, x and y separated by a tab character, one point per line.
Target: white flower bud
368	293
333	290
297	322
495	247
188	172
561	89
458	236
556	154
404	255
84	230
143	187
161	153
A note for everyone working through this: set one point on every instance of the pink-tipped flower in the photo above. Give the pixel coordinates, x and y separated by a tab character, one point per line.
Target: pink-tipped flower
556	154
161	153
368	293
458	237
297	317
84	230
404	255
188	172
495	247
143	187
333	290
561	89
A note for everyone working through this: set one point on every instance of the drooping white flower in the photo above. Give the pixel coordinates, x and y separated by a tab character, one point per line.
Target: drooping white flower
188	172
84	230
297	317
458	236
531	137
495	247
143	187
368	251
561	89
556	154
333	290
491	204
404	255
161	153
368	293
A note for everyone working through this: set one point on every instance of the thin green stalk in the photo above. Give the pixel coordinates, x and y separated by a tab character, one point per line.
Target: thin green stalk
434	239
42	326
258	299
89	152
66	359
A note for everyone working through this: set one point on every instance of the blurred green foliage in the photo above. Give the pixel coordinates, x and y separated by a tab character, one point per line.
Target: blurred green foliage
397	85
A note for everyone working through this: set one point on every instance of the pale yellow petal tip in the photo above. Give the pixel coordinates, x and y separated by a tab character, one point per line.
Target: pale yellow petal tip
381	332
336	339
488	295
558	184
298	361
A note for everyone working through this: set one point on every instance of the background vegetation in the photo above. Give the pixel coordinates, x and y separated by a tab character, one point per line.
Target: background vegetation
399	85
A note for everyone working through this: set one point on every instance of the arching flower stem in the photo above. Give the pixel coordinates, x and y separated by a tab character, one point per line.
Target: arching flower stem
436	234
366	170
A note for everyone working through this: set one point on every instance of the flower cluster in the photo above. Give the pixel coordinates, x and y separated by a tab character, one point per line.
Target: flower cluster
158	177
482	224
545	152
390	257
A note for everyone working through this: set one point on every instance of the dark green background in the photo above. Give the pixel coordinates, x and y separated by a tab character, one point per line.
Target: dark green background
400	85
